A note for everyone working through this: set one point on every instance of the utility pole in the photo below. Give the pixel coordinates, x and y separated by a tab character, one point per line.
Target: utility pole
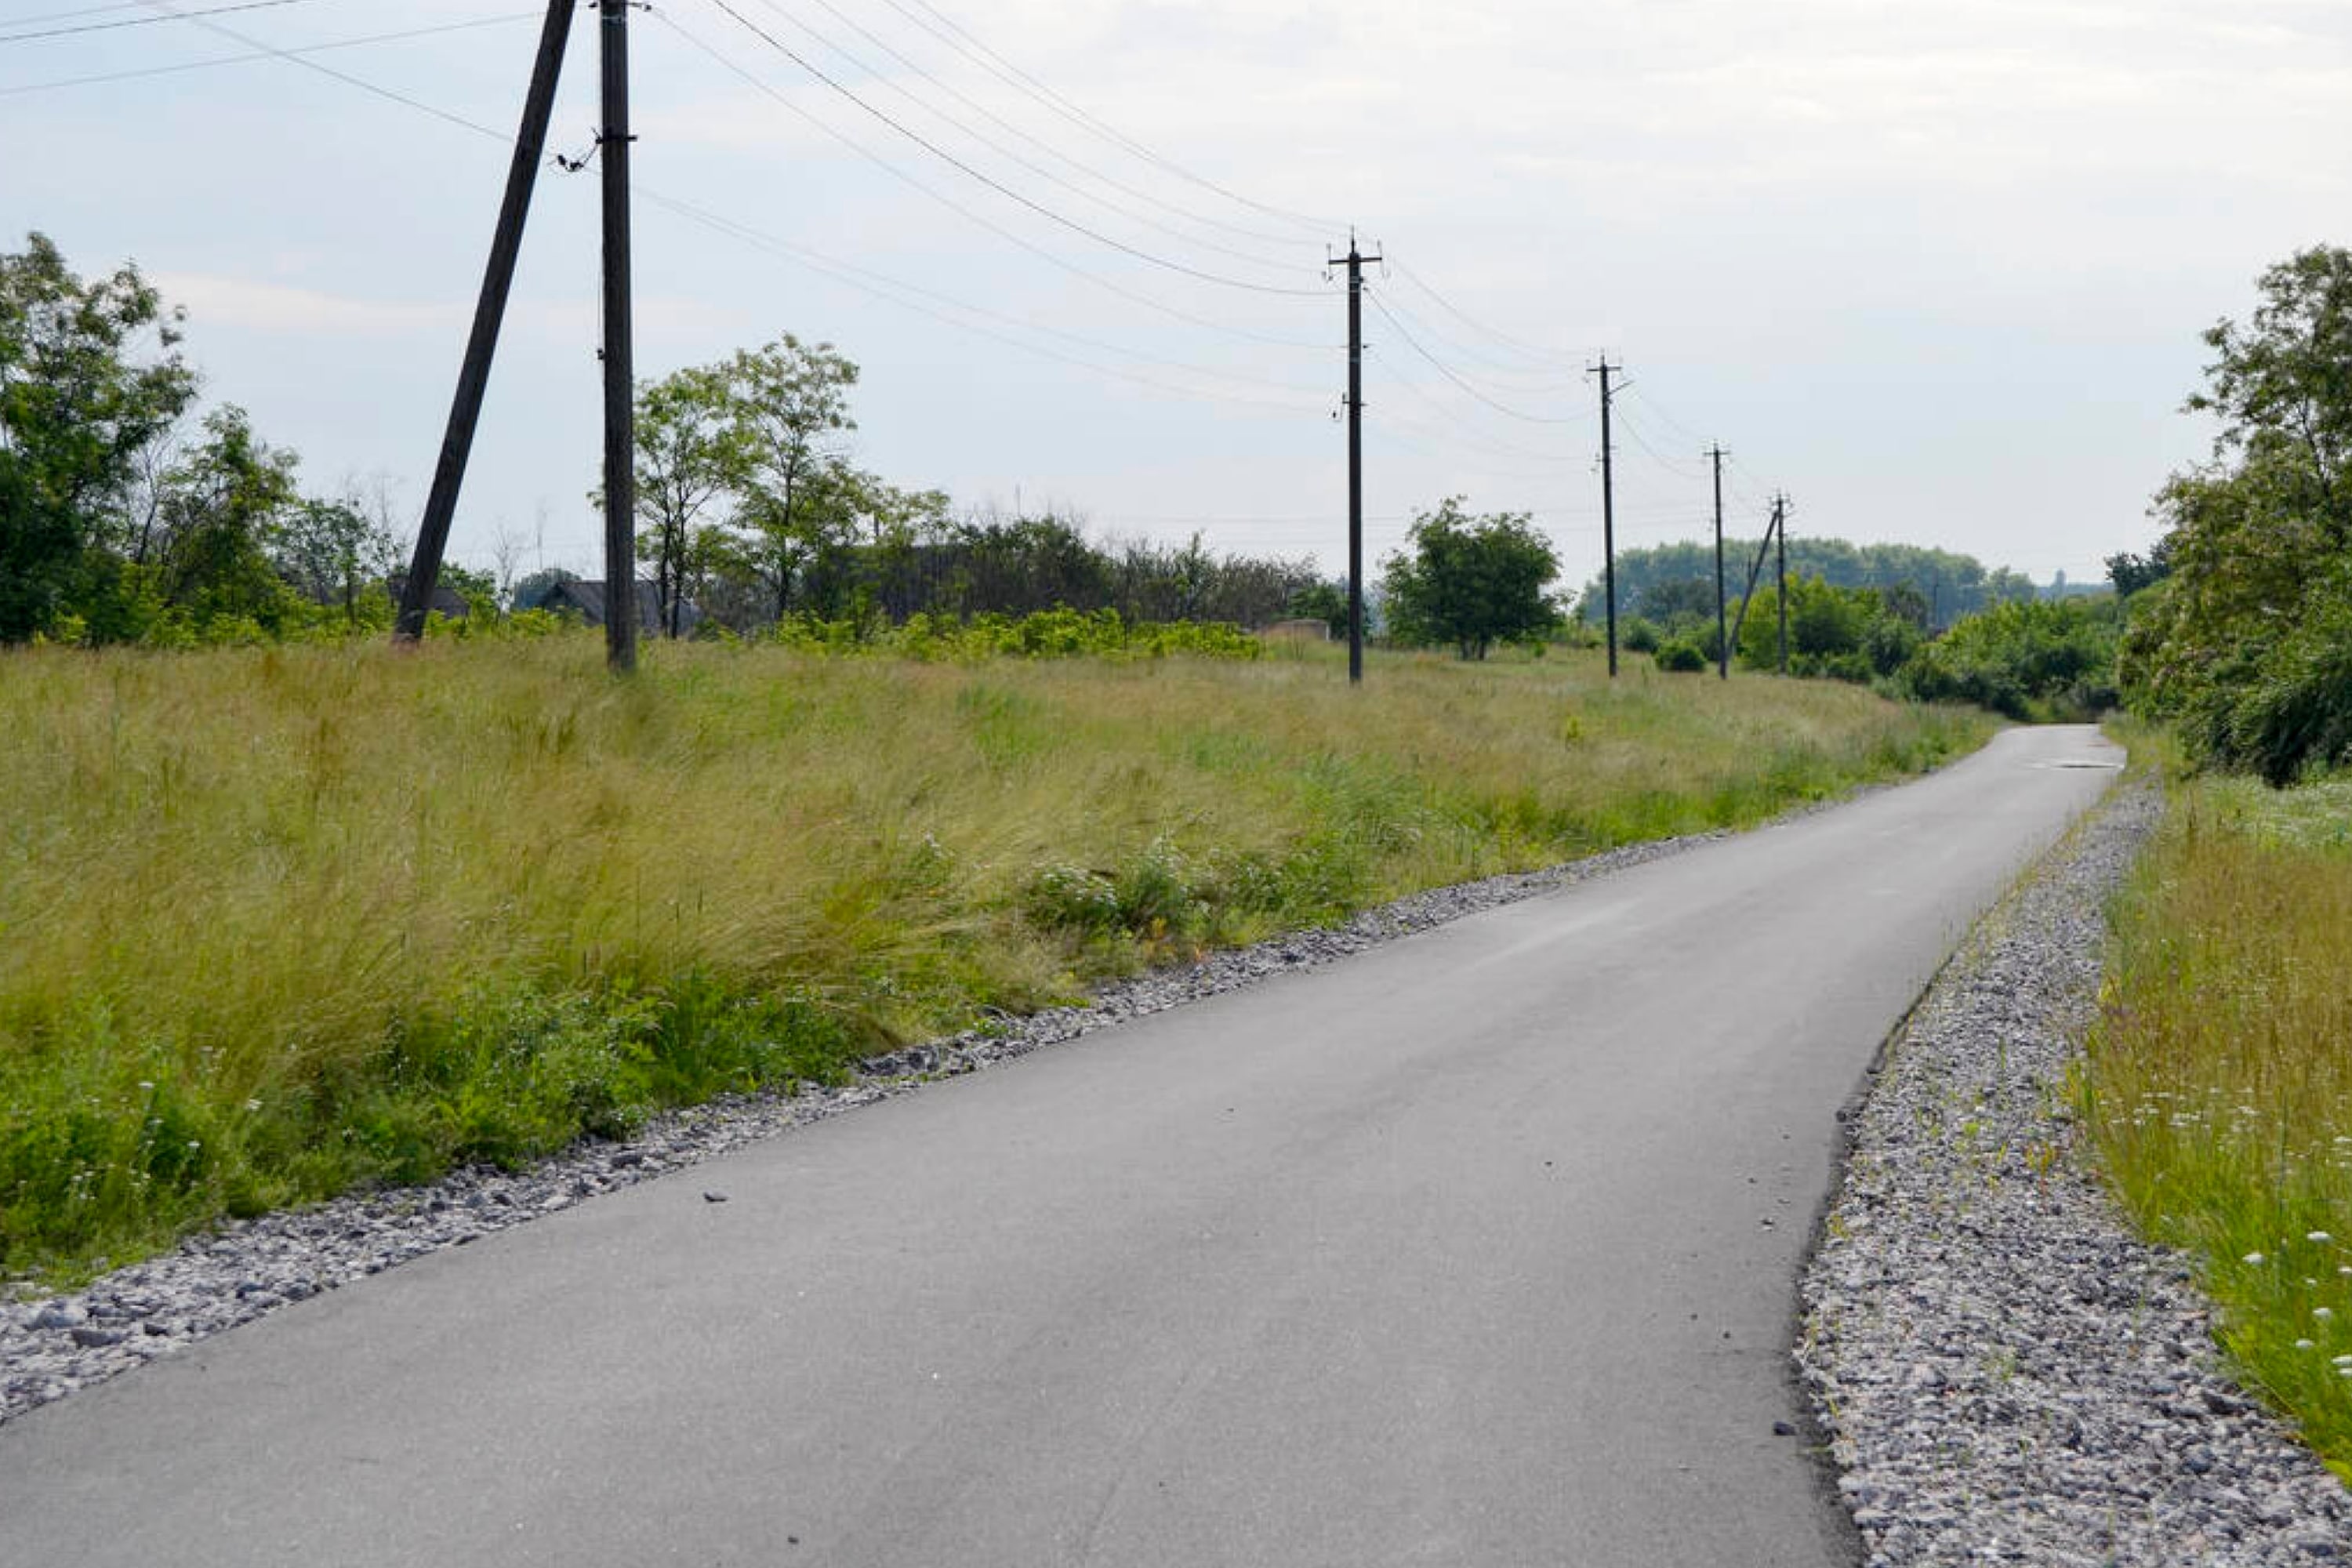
1608	516
1356	260
1756	570
620	430
1780	567
1722	638
489	310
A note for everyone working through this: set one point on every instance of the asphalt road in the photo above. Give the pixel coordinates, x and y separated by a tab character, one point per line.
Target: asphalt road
1477	1249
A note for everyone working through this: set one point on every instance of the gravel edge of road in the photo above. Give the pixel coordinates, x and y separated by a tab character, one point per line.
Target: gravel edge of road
51	1346
2004	1370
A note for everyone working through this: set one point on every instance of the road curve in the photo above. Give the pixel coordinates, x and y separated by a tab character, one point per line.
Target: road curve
1476	1249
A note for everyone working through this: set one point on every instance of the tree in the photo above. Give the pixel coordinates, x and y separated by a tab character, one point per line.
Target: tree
2236	641
787	404
691	451
1469	582
223	507
332	551
2281	385
89	375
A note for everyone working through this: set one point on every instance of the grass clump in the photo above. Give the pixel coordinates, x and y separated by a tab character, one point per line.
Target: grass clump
275	923
2217	1082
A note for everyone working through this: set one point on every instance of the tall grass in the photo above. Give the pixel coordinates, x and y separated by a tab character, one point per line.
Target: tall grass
277	921
2219	1078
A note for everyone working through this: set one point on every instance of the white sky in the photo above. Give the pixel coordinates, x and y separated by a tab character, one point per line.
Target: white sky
1935	267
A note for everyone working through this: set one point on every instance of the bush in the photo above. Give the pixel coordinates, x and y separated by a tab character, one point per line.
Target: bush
1681	658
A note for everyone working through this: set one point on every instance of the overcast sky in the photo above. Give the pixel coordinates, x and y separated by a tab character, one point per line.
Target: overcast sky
1936	268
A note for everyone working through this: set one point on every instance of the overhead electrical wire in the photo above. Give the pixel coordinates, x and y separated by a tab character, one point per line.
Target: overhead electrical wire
984	177
264	54
1681	470
1543	356
975	48
815	260
1063	263
344	76
1447	372
139	21
976	107
882	287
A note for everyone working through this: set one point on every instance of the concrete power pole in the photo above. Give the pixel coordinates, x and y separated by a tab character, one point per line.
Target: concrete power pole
1608	516
1356	259
489	310
1780	570
620	410
1722	638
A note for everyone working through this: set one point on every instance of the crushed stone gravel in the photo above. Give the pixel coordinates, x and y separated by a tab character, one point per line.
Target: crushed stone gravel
2006	1372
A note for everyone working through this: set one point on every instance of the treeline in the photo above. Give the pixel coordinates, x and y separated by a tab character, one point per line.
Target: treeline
126	516
122	519
2026	658
1669	581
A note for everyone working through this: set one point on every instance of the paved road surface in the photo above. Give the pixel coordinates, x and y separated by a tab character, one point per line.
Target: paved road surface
1477	1249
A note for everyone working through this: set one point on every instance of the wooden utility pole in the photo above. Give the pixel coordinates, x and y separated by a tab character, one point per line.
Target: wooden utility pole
489	310
1608	516
1356	260
620	430
1722	639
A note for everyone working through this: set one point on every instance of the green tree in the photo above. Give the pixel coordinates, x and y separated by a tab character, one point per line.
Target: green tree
334	553
788	404
2234	642
1469	582
89	375
692	452
224	505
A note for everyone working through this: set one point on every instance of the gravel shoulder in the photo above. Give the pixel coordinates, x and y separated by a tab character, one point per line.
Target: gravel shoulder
2005	1372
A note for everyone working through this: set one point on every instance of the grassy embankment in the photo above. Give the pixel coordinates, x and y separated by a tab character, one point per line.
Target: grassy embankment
275	923
2219	1082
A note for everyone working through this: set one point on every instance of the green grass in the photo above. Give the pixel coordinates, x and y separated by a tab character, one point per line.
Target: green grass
2219	1082
275	923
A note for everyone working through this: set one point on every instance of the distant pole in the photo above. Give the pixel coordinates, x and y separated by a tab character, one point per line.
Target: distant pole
1356	260
620	434
1722	637
1608	516
1780	567
489	310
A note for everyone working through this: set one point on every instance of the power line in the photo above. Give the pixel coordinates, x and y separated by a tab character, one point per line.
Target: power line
1669	463
973	49
264	54
1047	147
1065	265
143	21
1546	357
344	76
880	286
998	185
1448	374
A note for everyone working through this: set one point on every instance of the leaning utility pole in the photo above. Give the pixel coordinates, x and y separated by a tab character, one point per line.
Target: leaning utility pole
1781	569
620	437
1756	568
474	374
1356	260
1608	516
1722	641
